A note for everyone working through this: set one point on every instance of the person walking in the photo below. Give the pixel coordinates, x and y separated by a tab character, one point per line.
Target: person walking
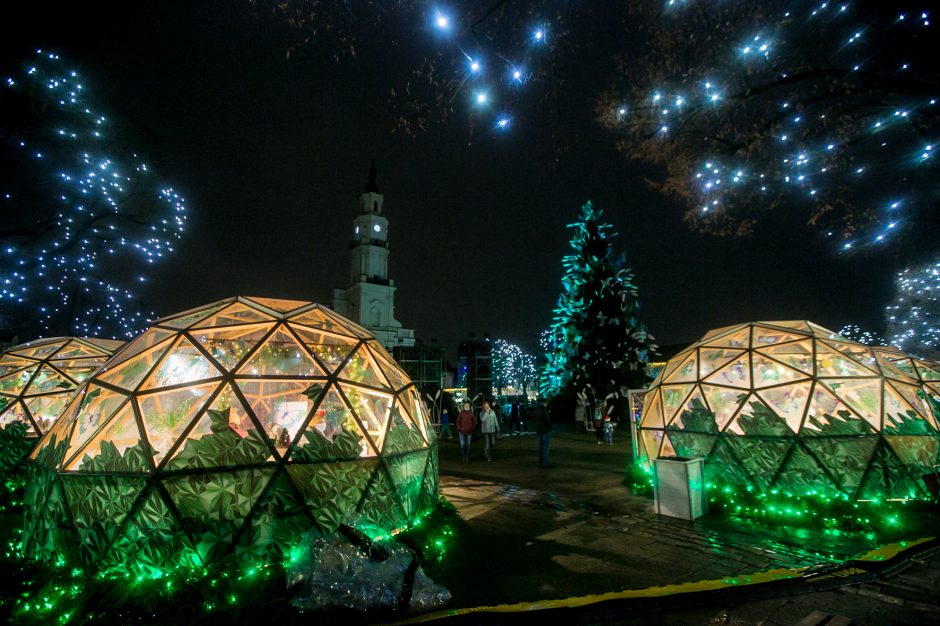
608	431
466	424
599	425
544	430
489	426
445	426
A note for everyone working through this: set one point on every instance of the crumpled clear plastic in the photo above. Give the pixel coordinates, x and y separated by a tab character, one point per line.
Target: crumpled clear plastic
336	574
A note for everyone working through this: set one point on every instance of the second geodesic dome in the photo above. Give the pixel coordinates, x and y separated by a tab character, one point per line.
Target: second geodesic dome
36	381
230	429
793	406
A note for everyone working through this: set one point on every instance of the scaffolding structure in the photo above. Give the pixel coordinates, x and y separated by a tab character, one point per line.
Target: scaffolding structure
475	368
424	364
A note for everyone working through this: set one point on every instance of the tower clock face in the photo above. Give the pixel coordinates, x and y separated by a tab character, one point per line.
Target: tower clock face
377	228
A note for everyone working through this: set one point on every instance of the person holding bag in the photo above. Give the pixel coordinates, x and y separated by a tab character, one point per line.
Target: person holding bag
466	424
489	426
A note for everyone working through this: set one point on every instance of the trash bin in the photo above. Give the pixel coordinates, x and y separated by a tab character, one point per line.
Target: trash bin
679	487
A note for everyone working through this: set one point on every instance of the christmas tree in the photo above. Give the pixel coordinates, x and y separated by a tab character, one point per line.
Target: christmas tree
913	315
598	346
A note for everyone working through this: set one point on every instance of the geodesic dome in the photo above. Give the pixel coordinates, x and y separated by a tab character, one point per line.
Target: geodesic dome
231	429
793	406
36	381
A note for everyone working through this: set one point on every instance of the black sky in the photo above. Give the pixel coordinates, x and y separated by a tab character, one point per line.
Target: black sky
271	154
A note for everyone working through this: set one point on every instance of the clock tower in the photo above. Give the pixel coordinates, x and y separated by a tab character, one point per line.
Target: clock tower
370	298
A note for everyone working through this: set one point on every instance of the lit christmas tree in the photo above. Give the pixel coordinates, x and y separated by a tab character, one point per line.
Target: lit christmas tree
914	315
515	370
856	333
600	345
80	212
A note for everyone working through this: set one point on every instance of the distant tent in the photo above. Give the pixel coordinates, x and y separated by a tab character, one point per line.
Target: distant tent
229	430
795	407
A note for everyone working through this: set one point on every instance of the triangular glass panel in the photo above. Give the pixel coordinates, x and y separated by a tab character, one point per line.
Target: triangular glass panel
75	349
332	433
183	364
147	340
666	449
14	411
79	370
47	380
108	346
53	449
652	415
819	331
278	519
768	335
927	371
738	339
673	398
685	372
831	362
378	349
789	402
229	345
695	415
129	373
691	444
915	397
758	420
190	318
281	306
724	403
40	349
906	365
361	368
768	372
673	363
414	406
235	313
224	436
97	406
863	396
896	408
393	373
711	359
14	384
798	355
719	331
827	415
864	355
403	436
890	370
331	349
888	477
216	505
118	447
281	407
650	443
372	409
795	324
845	458
98	507
319	319
10	364
737	373
280	355
167	414
47	409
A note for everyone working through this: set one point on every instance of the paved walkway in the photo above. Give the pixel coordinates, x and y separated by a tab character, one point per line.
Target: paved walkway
573	529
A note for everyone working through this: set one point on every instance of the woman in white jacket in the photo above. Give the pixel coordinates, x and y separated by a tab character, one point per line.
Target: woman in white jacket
489	427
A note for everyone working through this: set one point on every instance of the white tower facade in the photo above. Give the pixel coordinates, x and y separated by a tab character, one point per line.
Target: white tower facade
370	298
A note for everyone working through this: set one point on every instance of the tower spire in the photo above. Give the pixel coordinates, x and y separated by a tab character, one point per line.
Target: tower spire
372	185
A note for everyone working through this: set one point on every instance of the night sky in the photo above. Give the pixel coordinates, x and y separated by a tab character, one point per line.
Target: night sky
272	152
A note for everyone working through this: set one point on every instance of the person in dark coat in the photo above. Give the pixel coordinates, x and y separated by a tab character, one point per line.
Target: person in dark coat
544	431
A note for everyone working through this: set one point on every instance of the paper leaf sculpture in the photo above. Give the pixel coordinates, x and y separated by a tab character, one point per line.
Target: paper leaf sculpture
792	406
225	432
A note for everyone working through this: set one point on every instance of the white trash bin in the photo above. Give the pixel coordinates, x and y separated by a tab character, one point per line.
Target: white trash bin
679	487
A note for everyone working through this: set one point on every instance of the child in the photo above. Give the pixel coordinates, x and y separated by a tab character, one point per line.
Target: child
608	431
445	425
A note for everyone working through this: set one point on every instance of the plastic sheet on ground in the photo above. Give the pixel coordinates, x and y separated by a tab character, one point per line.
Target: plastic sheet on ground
335	574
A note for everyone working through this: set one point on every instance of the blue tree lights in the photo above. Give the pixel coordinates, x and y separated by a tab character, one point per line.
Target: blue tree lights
825	106
914	315
82	214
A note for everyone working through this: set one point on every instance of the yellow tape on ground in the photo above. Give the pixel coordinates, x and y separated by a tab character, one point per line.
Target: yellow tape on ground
883	553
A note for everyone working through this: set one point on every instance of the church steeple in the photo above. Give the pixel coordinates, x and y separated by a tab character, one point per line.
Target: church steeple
372	185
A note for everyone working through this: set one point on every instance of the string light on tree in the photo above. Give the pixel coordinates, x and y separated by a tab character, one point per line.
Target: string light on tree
914	315
78	213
